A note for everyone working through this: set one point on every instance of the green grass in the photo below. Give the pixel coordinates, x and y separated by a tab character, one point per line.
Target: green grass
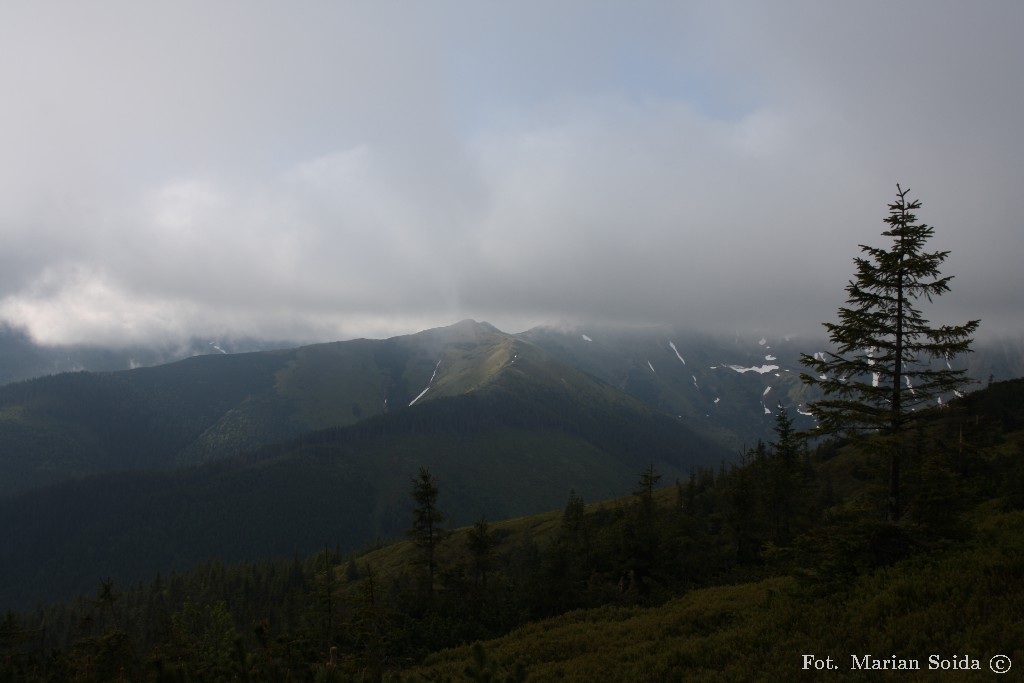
332	385
964	601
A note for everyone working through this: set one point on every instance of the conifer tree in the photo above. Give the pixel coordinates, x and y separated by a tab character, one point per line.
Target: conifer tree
787	480
574	514
325	584
882	366
480	543
642	532
649	479
426	531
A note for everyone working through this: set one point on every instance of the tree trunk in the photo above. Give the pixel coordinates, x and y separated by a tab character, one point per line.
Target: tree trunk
896	417
893	512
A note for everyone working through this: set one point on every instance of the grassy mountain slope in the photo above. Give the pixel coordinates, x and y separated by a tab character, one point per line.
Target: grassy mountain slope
962	601
211	407
530	430
941	588
75	424
725	387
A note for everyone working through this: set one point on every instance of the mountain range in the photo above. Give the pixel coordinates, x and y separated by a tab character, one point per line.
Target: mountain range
273	453
129	473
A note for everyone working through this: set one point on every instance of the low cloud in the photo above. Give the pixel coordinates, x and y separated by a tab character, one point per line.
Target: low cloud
302	179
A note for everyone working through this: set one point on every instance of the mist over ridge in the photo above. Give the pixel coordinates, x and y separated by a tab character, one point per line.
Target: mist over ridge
369	178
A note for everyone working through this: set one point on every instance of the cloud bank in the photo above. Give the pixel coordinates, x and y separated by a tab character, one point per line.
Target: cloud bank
348	169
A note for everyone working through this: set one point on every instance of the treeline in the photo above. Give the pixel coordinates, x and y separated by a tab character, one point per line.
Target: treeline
272	620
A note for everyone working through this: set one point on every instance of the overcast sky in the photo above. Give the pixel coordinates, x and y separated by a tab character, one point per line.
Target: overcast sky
326	170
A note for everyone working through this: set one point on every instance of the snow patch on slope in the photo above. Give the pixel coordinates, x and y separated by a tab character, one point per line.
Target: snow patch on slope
673	347
428	384
761	369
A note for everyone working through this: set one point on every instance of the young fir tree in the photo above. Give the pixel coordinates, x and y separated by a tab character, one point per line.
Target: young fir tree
881	369
642	533
426	531
788	481
480	543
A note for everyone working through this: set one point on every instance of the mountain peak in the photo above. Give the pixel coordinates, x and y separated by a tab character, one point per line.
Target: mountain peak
470	324
464	331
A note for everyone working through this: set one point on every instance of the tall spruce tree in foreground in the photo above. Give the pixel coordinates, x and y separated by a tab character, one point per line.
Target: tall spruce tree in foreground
882	367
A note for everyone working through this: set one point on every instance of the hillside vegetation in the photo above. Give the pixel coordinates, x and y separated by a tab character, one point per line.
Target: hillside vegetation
209	408
508	442
730	574
962	601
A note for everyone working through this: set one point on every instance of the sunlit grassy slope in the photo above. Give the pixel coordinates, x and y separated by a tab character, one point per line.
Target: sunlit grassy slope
954	601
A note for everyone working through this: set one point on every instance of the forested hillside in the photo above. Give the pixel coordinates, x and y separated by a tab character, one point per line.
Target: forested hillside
515	445
720	574
211	407
75	424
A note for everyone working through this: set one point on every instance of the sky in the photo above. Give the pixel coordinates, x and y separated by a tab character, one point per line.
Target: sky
329	170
